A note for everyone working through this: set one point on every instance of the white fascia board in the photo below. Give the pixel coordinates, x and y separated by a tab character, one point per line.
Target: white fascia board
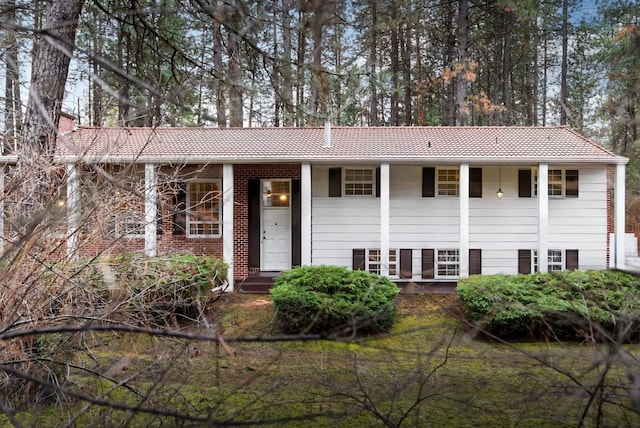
617	160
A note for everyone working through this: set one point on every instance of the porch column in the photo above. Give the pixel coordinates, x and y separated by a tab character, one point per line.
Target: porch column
227	222
543	217
150	211
384	219
619	221
73	209
464	220
305	215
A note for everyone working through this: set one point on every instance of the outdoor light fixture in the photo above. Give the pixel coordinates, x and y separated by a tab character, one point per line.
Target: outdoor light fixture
499	193
269	193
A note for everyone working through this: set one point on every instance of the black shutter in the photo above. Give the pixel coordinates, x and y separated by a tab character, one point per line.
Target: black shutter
428	182
571	183
180	209
406	264
255	235
475	261
358	259
475	182
524	183
335	182
428	263
377	182
572	259
296	224
524	261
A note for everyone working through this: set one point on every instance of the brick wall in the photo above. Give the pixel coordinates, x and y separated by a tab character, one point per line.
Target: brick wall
242	175
168	243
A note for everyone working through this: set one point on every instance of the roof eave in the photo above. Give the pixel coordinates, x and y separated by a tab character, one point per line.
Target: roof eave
475	160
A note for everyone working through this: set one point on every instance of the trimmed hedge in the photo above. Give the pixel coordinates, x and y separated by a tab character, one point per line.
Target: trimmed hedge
567	304
333	299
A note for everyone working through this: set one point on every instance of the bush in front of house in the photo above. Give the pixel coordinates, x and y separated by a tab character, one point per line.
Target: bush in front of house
567	304
144	290
335	300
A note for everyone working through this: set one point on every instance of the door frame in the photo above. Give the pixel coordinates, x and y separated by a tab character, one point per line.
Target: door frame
289	234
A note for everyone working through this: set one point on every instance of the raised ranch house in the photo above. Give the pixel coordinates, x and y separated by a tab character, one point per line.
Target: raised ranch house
421	205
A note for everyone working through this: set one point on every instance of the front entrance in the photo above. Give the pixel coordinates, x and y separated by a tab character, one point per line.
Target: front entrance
275	246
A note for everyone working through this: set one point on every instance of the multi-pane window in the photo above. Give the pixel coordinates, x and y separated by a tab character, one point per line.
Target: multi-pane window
561	183
358	181
556	183
448	263
374	262
554	260
276	193
129	215
204	208
448	182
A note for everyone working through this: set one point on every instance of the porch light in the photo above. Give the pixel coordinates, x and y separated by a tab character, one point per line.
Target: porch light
499	193
283	197
269	193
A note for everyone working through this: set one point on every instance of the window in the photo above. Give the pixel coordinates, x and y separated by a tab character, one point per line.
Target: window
370	260
276	193
554	260
129	218
448	182
562	183
204	208
528	260
374	262
448	263
358	181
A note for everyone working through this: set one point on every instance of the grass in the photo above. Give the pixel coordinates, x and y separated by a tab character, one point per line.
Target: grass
430	370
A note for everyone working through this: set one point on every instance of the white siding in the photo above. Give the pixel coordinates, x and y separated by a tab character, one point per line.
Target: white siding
499	227
581	223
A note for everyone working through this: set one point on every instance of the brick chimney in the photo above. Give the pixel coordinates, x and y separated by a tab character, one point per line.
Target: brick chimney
67	123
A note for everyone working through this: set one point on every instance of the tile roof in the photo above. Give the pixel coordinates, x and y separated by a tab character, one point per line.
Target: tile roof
348	144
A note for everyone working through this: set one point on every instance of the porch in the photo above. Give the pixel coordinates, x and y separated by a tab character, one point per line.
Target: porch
261	283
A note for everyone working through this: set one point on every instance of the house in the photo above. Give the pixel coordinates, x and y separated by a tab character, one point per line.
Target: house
418	204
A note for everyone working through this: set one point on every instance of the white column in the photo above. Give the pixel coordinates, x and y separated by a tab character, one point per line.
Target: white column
227	221
305	215
384	219
543	217
73	209
150	211
619	221
464	220
2	169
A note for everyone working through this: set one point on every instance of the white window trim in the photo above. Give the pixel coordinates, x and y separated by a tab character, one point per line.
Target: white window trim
344	181
534	260
394	255
534	182
132	217
189	207
438	182
551	263
437	263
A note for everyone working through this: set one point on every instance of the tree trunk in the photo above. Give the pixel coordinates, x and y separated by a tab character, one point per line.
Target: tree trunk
463	60
39	182
564	92
218	85
236	117
287	75
373	61
13	105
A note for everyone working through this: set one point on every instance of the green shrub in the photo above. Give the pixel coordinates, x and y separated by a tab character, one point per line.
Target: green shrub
147	288
333	299
564	304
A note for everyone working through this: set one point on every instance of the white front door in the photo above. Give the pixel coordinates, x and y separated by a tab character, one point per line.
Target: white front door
276	225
